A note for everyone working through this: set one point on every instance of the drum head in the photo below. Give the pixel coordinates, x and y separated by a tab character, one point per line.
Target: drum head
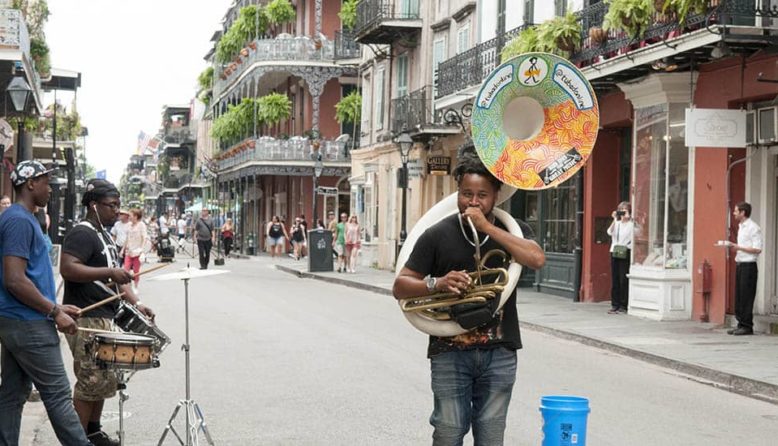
535	121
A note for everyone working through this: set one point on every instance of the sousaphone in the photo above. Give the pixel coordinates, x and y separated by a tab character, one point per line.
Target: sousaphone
534	125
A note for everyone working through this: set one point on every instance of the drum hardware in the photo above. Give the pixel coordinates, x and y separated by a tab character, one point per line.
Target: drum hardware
194	418
132	320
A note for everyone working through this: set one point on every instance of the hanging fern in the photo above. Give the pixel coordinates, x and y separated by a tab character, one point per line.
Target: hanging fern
280	11
526	42
349	109
251	23
274	107
348	13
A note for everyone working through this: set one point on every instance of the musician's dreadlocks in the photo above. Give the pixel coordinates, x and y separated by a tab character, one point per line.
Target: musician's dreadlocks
469	162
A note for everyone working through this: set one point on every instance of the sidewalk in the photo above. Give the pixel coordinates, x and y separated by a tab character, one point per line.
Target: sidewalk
701	351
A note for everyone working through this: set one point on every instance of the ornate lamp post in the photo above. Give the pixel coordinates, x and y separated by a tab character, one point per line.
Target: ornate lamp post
404	143
19	93
318	168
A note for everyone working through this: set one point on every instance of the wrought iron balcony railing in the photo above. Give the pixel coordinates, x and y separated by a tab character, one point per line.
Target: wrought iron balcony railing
345	45
469	68
412	110
284	48
270	149
371	13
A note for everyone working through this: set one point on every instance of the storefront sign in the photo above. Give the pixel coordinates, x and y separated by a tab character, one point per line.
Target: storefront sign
329	191
415	169
715	128
439	165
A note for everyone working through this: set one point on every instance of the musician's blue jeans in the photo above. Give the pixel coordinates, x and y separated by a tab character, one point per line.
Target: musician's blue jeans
472	387
30	353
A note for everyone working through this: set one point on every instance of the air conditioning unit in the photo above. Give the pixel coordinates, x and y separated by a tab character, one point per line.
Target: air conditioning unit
766	125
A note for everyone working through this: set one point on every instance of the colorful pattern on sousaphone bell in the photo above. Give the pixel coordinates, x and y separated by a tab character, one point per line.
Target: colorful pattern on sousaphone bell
569	130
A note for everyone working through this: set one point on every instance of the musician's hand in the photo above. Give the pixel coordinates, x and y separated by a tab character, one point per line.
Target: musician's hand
65	323
477	216
147	311
119	276
71	310
454	282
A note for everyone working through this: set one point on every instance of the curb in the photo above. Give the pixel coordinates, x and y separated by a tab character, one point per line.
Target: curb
336	280
726	381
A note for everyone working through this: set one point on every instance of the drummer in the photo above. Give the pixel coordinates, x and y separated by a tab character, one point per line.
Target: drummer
92	273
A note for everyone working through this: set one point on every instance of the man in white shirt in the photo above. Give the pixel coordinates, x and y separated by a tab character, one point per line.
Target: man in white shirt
119	231
163	229
748	248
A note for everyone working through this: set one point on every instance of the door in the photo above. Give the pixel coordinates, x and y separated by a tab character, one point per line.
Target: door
773	290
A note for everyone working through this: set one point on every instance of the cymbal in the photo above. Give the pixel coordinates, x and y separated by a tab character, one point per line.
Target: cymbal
189	273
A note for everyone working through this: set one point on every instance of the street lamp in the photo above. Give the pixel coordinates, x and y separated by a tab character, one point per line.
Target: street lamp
318	168
19	92
405	143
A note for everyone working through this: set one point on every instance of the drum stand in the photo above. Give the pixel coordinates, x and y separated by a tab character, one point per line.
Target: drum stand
123	377
195	421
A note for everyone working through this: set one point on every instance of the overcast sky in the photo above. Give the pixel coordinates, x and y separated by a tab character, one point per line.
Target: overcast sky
134	57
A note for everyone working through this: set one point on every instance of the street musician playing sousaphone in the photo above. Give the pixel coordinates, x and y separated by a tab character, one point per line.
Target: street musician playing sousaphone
92	273
473	372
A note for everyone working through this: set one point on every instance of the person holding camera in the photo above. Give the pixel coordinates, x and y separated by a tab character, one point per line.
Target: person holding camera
621	231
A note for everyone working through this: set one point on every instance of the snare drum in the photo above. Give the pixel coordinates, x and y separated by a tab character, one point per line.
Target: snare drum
123	351
130	319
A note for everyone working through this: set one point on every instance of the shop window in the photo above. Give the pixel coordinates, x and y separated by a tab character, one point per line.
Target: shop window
559	221
660	188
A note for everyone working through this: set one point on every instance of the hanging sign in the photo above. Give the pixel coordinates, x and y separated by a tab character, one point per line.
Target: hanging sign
710	127
439	165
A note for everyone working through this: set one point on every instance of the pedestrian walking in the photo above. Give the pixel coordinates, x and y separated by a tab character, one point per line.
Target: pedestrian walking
747	248
621	230
30	317
205	235
228	235
353	243
90	265
472	373
119	232
133	248
299	237
276	236
339	242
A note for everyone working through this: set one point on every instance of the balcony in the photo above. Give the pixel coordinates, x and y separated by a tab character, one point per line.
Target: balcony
668	46
15	54
280	151
384	22
468	69
285	48
415	113
346	46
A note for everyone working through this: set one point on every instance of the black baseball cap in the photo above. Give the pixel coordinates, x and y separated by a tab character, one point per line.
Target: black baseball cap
27	170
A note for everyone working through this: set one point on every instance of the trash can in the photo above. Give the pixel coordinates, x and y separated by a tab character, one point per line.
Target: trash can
319	251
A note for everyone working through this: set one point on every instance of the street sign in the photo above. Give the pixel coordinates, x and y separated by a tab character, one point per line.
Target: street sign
329	191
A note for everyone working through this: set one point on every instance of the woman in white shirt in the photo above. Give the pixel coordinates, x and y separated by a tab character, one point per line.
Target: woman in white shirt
621	231
136	239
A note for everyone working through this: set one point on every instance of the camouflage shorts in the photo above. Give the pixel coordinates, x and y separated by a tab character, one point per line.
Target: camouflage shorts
92	382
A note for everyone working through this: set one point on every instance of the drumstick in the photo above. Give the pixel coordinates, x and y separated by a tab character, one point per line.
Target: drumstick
101	303
152	269
93	330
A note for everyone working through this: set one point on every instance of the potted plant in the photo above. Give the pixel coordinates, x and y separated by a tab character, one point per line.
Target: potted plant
280	12
525	42
631	16
273	108
685	7
348	14
349	108
560	35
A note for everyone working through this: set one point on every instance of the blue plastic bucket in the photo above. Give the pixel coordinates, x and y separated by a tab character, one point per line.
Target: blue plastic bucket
564	420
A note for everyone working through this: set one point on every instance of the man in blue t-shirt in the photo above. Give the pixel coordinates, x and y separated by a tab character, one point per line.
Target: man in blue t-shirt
30	315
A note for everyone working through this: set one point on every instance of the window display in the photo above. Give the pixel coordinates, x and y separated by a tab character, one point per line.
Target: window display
660	187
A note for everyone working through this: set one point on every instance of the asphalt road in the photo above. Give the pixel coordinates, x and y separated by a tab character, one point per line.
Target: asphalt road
278	360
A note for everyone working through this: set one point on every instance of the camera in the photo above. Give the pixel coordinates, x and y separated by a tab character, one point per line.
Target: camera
620	214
